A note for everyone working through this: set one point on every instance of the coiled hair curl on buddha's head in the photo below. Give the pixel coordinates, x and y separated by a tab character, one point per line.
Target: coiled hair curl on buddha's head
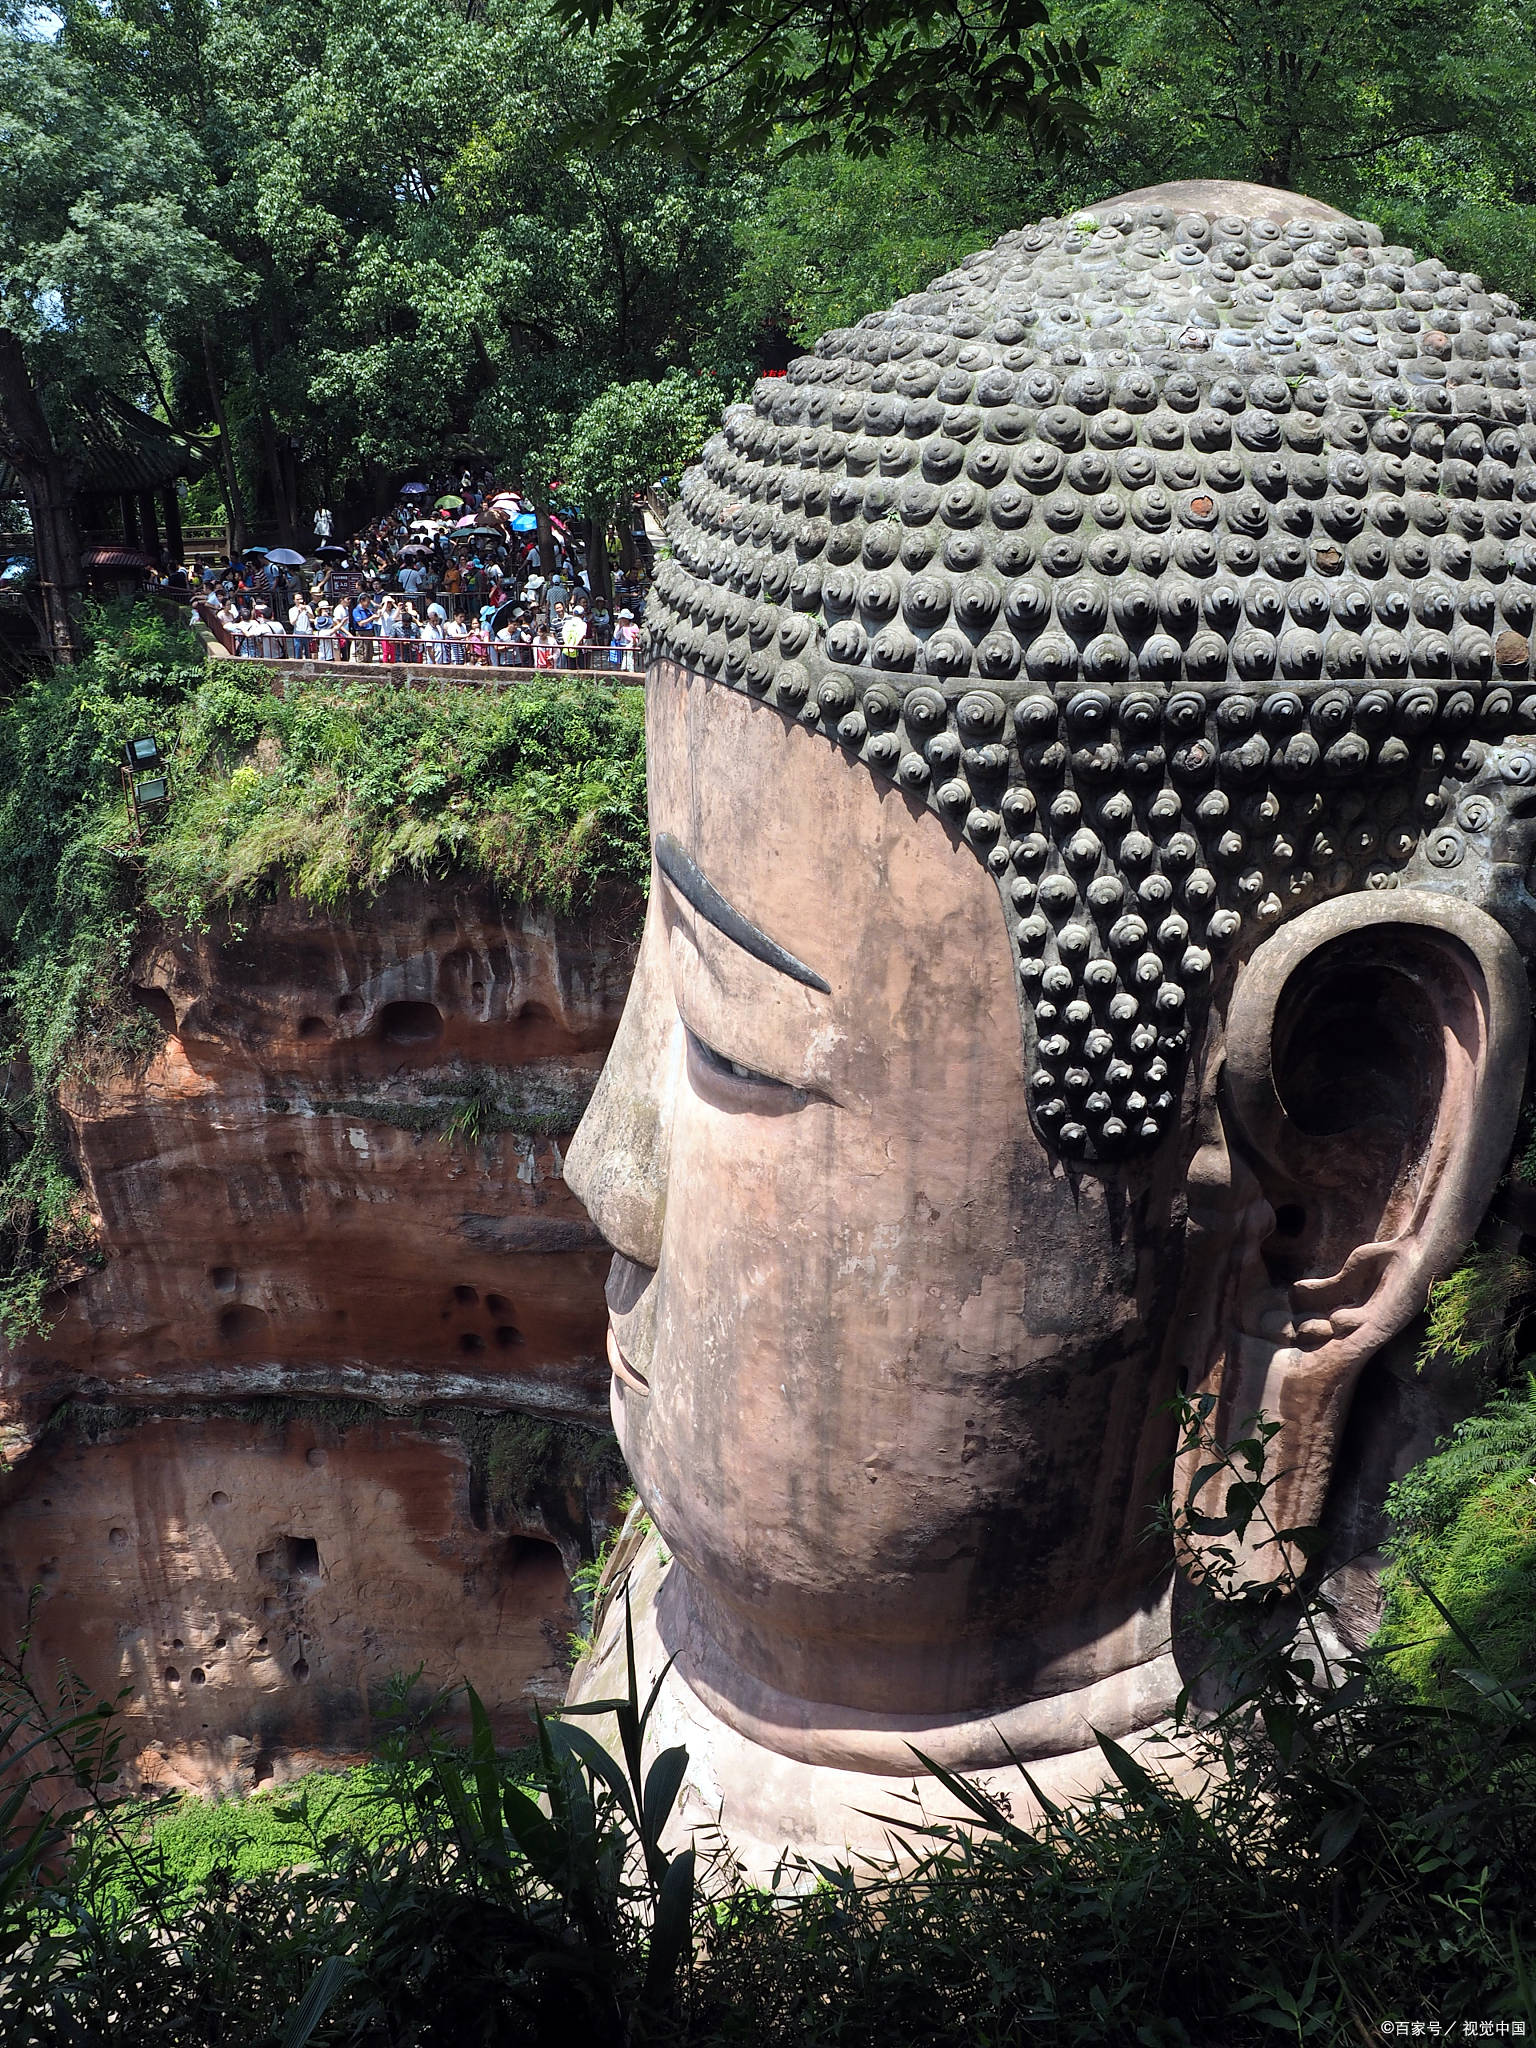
1185	566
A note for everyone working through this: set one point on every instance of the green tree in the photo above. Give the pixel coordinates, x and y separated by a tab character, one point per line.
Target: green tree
630	438
96	254
811	74
1416	113
435	260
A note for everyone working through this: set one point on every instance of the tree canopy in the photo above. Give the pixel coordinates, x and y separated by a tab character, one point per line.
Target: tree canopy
353	242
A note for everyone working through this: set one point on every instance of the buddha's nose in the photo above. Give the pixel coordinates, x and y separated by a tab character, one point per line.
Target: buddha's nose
617	1163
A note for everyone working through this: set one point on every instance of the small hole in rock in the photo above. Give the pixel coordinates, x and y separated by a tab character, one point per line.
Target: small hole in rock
530	1550
199	1675
218	1500
172	1675
498	1304
118	1538
507	1334
225	1279
301	1671
410	1023
470	1341
261	1646
468	1295
218	1642
241	1321
314	1027
177	1643
314	1456
349	1004
158	1004
291	1557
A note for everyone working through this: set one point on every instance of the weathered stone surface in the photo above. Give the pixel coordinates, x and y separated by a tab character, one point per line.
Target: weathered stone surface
284	1206
339	1181
255	1583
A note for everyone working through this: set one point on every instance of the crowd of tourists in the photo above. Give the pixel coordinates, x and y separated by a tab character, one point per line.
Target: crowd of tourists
452	579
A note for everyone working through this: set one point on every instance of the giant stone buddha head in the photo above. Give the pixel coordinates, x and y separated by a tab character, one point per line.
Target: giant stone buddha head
1091	739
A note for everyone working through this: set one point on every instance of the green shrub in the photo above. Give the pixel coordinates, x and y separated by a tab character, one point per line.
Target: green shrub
355	780
1477	1313
1464	1544
69	916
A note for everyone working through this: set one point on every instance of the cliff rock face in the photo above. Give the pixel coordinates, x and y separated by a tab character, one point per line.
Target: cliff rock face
334	1404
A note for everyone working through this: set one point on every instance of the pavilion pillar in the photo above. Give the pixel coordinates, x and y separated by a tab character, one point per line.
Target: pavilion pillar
130	521
170	513
149	532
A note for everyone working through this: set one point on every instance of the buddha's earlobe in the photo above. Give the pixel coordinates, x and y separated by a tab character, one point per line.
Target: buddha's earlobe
1373	1069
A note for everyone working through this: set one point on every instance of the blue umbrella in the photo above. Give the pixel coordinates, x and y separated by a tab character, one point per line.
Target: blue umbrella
289	558
414	490
525	522
255	551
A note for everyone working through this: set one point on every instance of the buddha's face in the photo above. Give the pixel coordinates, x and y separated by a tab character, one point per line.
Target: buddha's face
892	1379
884	1374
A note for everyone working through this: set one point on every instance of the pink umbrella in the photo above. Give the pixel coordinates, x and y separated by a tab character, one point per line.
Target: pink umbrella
469	519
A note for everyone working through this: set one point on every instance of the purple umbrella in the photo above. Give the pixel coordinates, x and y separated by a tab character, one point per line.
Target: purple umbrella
414	490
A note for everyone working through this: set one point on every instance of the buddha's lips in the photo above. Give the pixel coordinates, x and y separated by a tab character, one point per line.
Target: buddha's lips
621	1367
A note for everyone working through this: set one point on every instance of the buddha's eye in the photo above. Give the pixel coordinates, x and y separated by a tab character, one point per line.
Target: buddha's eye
734	1082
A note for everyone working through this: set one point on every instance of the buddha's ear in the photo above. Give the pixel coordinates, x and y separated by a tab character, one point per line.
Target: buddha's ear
1355	1128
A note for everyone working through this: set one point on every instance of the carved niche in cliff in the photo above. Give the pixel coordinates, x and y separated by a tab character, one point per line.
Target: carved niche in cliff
1092	752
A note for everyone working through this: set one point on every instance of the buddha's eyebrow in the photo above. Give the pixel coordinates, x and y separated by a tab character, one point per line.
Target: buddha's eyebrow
694	886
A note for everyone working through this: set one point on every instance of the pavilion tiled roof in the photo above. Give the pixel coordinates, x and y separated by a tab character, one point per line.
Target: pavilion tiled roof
123	449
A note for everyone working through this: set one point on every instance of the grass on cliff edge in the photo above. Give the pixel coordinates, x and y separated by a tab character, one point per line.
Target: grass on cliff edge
349	783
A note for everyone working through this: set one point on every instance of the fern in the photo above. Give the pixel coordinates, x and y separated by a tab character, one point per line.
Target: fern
1475	1315
1464	1540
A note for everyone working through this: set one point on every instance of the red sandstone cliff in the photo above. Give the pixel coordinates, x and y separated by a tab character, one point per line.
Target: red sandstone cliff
319	1415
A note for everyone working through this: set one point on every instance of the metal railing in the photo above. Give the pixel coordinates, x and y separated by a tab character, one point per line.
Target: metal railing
268	643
